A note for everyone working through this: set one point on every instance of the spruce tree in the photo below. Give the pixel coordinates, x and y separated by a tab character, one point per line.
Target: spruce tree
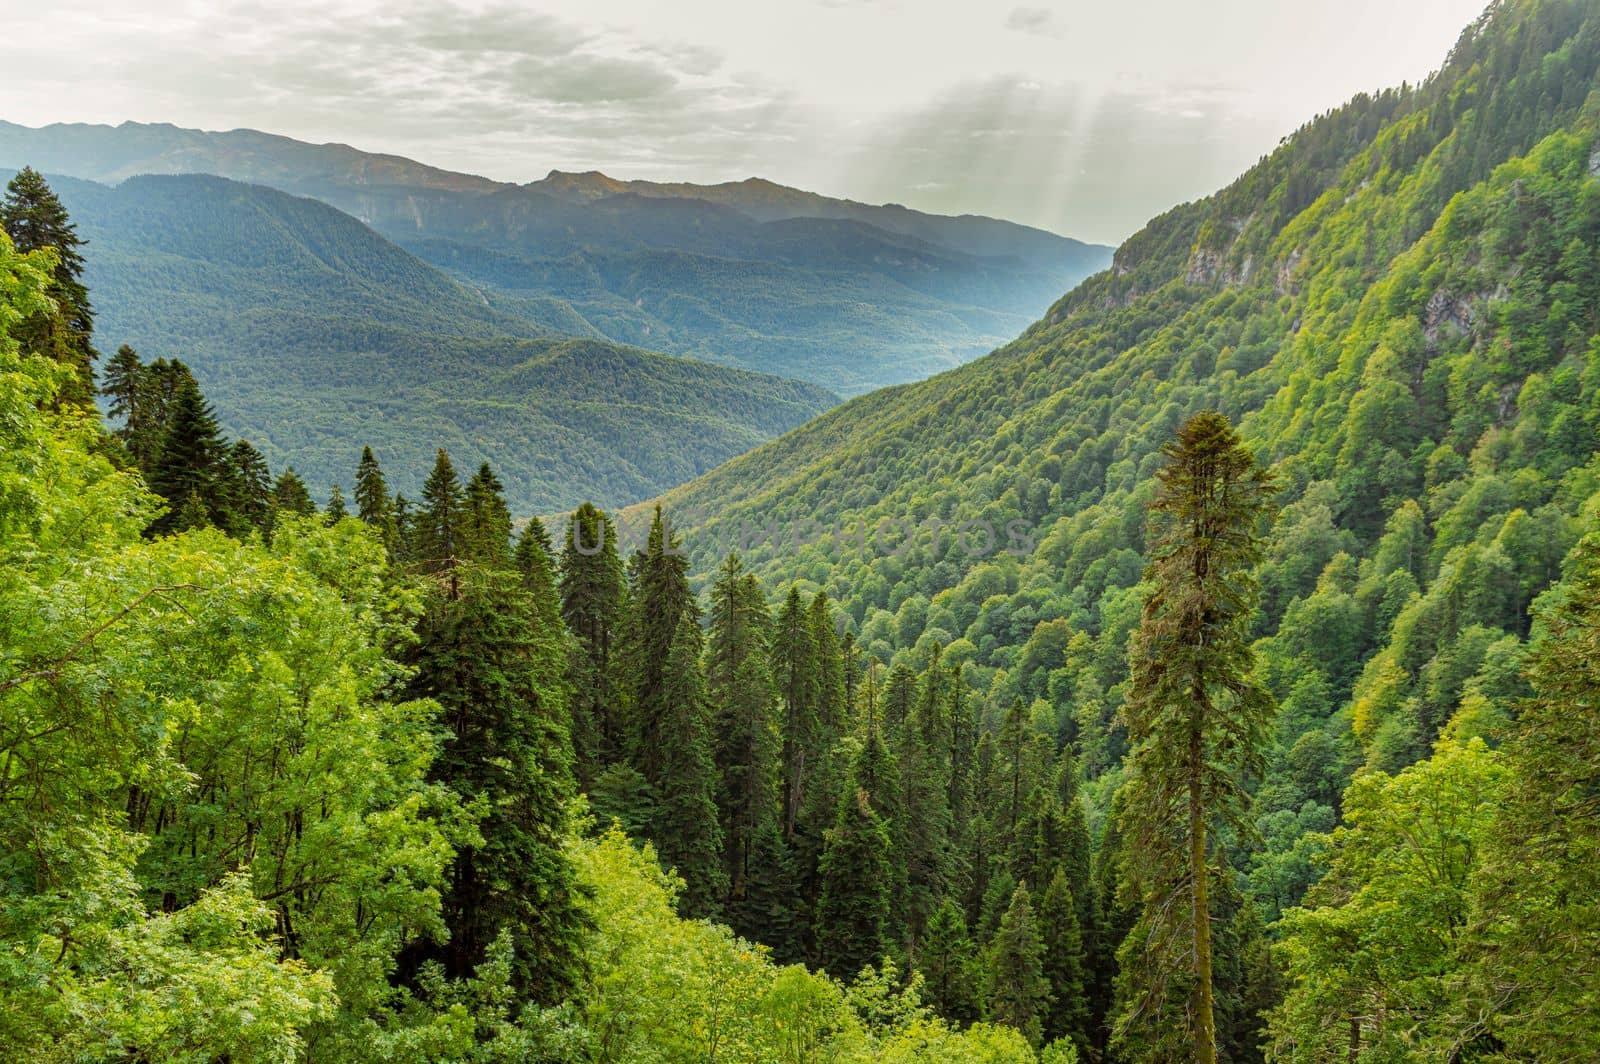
336	510
373	504
739	684
592	597
1197	723
32	215
534	559
923	835
1019	994
1065	965
290	495
252	485
852	926
437	535
669	722
191	464
485	519
479	656
122	384
794	667
948	963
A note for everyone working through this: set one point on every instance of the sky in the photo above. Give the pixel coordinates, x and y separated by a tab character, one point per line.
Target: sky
1086	118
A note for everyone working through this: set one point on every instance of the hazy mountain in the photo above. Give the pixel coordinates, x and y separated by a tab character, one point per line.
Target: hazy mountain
314	335
750	273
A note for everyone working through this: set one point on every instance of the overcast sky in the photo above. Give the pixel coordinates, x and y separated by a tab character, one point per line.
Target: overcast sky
1082	116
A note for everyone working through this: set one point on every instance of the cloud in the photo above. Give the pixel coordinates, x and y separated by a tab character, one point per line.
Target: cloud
1039	21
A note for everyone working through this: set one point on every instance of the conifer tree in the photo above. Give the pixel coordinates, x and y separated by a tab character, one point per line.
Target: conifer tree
948	963
123	383
855	869
437	538
192	461
373	504
485	519
1019	994
252	486
336	510
899	696
794	667
669	721
592	597
923	835
1065	965
1537	923
739	683
479	656
290	496
32	215
1196	723
534	558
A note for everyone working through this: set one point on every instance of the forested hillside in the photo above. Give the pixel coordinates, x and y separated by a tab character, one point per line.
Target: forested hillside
845	295
1209	675
1401	310
314	336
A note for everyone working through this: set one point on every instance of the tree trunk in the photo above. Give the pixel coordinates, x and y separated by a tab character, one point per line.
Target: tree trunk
1205	1024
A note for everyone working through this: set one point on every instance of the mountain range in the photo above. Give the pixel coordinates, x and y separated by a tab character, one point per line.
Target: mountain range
752	274
313	335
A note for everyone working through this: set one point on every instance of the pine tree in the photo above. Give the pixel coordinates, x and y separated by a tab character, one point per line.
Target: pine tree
373	504
1019	994
336	510
669	727
485	519
437	534
1196	723
592	597
899	697
32	215
739	683
507	748
122	384
252	485
1537	926
794	667
923	835
290	496
1065	965
852	926
192	461
948	962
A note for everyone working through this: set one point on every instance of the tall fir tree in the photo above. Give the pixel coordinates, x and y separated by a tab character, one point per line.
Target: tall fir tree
923	835
290	495
856	866
33	216
485	519
794	667
739	684
192	462
669	728
507	750
1197	724
592	600
373	504
948	962
1019	993
1065	965
437	535
252	485
336	510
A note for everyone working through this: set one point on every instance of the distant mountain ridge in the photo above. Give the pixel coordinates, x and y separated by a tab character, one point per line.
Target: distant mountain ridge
314	335
749	273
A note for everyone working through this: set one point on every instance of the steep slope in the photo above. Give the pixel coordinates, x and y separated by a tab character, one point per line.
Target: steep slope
1401	306
753	274
314	335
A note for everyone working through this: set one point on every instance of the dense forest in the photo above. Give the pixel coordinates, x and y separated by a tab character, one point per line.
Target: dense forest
1211	674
